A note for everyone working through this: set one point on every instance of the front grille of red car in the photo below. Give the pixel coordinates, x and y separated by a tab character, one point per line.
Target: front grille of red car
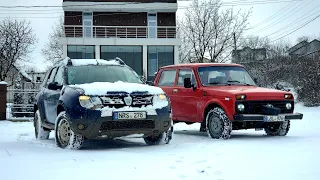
256	107
128	124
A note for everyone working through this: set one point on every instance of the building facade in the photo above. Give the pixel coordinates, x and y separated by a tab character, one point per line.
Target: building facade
306	49
247	55
140	32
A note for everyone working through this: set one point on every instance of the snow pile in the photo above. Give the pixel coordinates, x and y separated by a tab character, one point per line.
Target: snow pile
84	62
3	82
102	88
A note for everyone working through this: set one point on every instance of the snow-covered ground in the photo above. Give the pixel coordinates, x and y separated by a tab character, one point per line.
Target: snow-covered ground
248	155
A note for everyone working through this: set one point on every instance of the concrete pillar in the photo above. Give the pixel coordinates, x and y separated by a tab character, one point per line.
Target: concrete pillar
65	51
145	60
176	55
3	100
97	51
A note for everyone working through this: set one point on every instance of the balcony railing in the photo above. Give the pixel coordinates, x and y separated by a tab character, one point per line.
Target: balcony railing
120	31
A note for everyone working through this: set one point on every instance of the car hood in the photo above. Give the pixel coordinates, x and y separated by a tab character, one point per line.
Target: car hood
251	92
103	88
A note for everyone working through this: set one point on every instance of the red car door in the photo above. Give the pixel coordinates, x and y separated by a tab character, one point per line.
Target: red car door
166	81
187	98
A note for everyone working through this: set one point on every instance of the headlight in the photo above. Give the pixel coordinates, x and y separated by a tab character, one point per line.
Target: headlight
288	96
90	102
240	107
240	97
160	99
288	106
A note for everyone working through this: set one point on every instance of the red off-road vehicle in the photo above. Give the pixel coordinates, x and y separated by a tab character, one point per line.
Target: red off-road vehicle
224	97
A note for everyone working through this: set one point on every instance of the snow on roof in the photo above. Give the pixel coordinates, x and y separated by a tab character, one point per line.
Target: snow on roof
83	62
102	88
3	82
24	74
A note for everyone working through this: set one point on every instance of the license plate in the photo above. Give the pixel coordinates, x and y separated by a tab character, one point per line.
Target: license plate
129	115
274	118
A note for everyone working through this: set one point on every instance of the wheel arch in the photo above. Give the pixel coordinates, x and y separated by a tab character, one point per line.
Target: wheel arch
214	104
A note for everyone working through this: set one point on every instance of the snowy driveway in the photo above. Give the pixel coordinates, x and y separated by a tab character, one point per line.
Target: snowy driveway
191	155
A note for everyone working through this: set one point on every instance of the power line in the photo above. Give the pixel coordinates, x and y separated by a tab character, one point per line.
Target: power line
298	28
289	14
295	22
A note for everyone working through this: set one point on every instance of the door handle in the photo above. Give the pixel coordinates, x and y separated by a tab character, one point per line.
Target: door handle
175	90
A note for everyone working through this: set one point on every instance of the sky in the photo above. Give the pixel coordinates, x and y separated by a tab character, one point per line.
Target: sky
272	18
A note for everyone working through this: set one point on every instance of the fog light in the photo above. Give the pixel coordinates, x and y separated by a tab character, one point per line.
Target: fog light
80	126
288	106
241	107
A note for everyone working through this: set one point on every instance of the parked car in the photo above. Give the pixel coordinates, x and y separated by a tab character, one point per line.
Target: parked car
89	98
224	97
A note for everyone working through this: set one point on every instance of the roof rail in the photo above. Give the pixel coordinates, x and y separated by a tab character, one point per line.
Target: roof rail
120	60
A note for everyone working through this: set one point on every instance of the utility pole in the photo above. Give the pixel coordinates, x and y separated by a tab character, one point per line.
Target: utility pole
235	47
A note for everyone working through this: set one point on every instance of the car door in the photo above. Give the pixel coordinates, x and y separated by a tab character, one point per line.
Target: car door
187	98
51	96
166	82
40	95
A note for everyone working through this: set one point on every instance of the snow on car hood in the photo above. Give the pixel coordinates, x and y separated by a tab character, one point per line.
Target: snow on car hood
102	88
252	92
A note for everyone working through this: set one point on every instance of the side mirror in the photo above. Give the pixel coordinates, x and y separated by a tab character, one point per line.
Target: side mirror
255	80
150	83
53	86
187	83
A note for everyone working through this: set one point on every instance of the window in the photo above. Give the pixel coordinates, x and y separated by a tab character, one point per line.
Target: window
59	76
186	73
52	75
38	79
87	24
167	78
152	25
46	78
131	55
159	56
81	52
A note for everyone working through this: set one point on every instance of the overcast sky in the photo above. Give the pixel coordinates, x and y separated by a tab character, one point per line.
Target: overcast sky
267	19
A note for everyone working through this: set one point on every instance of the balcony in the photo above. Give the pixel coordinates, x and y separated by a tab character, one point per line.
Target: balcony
120	32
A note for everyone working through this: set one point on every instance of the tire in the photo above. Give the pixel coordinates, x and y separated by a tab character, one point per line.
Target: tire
40	132
277	128
163	138
218	124
65	138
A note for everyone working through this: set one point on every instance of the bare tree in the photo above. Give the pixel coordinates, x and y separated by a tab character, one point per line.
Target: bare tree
208	30
16	42
303	38
53	50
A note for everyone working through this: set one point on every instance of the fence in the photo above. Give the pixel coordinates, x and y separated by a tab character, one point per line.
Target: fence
21	106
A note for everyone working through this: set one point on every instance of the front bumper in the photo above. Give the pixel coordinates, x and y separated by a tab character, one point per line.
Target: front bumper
96	126
267	118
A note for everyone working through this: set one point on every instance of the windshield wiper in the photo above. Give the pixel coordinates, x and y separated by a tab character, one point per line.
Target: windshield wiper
214	83
233	81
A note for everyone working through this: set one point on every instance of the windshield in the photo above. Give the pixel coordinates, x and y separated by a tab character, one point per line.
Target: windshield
90	74
224	75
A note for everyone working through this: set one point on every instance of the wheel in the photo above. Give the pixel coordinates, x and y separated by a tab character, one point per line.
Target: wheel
40	132
277	128
163	138
65	137
218	124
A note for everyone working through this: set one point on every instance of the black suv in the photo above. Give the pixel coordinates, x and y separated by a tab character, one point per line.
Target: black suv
89	98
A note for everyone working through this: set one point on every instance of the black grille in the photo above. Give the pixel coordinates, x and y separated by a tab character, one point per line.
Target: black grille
131	124
116	99
256	107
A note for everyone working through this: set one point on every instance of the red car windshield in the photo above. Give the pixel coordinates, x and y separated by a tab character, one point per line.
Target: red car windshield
224	75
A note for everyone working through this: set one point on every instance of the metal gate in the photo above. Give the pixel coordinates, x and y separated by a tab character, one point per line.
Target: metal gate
20	103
